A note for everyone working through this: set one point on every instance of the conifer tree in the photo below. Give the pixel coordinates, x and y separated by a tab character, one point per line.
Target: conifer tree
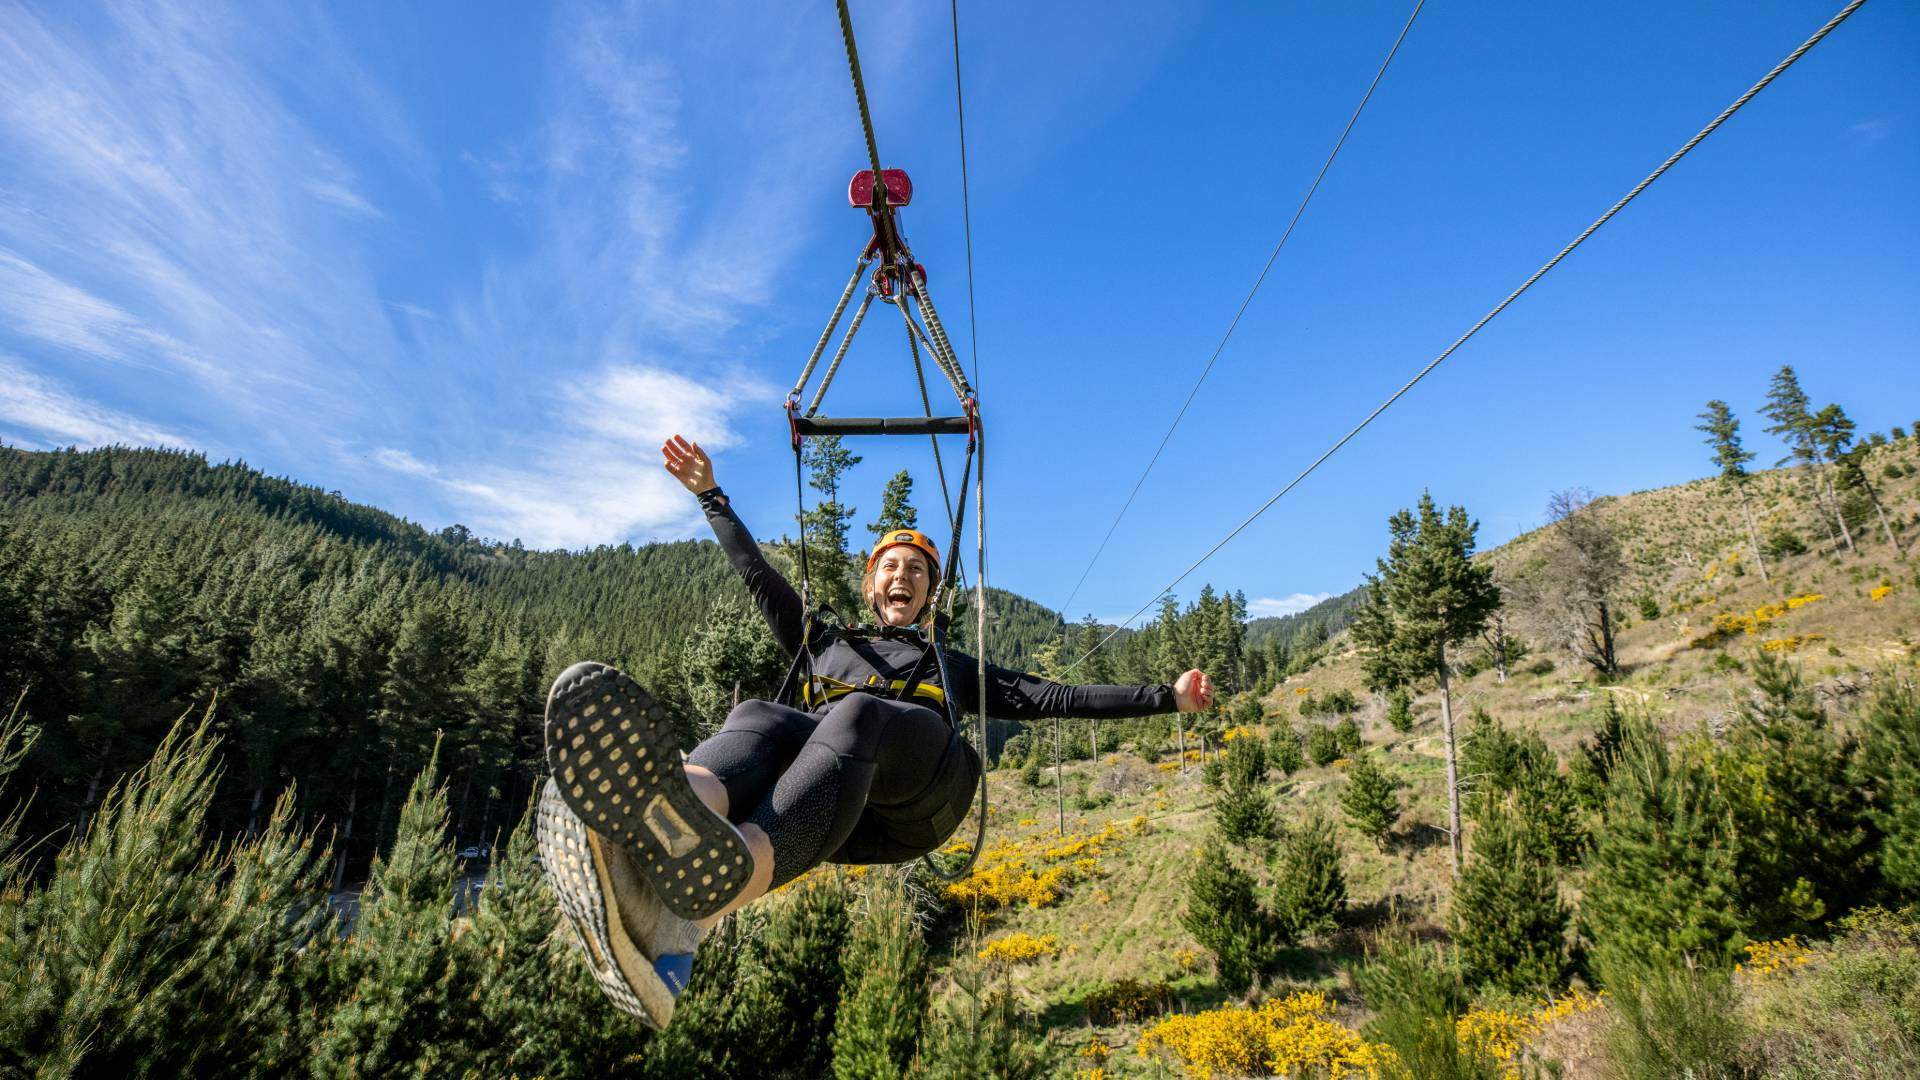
1792	414
1283	748
1834	431
832	570
1427	596
1309	887
1400	709
1226	918
1800	834
896	507
1723	434
1323	746
1661	884
1508	922
395	974
1243	810
731	658
1346	734
883	1004
1889	771
1371	798
789	1003
535	1008
977	1034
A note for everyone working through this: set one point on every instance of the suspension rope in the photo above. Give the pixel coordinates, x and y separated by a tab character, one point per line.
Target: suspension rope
1244	303
860	93
926	403
1711	127
833	366
859	268
966	202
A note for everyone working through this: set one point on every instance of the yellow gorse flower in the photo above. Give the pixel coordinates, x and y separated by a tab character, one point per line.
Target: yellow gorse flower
1765	958
1505	1034
1295	1036
1021	948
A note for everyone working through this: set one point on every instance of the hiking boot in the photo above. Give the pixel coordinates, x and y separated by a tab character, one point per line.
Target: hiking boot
640	953
618	767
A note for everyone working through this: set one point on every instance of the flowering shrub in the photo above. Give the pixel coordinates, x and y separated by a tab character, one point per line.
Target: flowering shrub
1015	871
1766	958
1755	622
1791	644
1238	731
1505	1034
1021	948
1880	592
1295	1036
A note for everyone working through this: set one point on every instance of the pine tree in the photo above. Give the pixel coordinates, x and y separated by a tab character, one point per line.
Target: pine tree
896	507
535	1008
1427	596
731	658
1243	810
1800	833
1661	885
1309	888
1508	922
1323	746
1371	798
1834	432
1792	414
1346	734
1226	918
789	1002
978	1035
1889	771
884	1004
832	570
1283	748
1400	709
396	972
1723	434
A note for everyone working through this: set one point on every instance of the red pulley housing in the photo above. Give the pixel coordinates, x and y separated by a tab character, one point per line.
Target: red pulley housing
899	189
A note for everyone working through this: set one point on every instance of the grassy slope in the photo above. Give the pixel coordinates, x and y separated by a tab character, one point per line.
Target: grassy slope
1681	543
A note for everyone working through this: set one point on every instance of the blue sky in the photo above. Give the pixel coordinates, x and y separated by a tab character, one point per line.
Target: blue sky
473	262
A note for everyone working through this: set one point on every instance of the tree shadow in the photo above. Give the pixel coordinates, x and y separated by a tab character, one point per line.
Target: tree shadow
1416	838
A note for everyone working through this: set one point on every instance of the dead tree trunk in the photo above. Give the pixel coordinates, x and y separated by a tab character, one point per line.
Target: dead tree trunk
1453	765
1753	538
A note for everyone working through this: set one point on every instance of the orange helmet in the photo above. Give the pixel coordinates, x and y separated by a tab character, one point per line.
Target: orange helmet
913	538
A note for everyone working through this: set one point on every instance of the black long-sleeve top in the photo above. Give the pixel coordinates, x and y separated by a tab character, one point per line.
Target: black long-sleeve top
1012	695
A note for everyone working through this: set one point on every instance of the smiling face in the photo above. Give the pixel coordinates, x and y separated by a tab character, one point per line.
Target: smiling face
898	585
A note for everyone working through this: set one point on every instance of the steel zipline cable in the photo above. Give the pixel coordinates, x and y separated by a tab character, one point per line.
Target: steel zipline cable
1712	126
1245	303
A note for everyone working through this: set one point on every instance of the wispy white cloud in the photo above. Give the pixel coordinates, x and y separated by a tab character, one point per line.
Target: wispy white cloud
1291	604
180	200
56	417
1872	130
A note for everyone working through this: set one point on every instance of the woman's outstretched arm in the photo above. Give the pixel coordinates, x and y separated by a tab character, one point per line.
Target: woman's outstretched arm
1016	695
777	600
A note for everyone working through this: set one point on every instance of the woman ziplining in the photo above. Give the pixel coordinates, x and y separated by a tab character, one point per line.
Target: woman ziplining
865	765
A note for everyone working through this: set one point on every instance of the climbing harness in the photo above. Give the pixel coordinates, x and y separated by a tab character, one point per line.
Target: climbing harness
886	265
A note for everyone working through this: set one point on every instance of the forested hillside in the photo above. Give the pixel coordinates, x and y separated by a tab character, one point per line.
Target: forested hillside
139	585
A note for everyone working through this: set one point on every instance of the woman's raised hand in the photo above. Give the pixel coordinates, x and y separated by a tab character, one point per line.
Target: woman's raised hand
688	463
1193	692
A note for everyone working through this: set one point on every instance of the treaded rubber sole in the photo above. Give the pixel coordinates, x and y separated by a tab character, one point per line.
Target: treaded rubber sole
568	860
618	767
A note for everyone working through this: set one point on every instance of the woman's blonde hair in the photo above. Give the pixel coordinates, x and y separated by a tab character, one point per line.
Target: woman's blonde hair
869	587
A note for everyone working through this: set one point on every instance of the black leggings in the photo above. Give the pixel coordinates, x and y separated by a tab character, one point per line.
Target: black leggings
867	780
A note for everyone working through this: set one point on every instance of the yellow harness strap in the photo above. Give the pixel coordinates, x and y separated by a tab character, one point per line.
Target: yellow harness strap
821	689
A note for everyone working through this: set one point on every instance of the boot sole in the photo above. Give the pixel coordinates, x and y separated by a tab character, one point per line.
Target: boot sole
622	971
617	766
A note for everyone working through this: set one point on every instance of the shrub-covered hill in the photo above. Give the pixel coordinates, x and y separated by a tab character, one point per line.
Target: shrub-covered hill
138	584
